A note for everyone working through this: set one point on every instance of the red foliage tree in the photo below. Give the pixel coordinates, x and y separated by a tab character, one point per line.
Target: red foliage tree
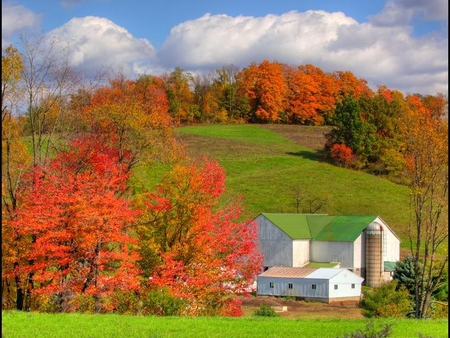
341	154
205	253
77	226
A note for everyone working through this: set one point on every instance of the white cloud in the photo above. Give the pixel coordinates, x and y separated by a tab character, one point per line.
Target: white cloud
402	12
17	19
96	43
382	55
214	40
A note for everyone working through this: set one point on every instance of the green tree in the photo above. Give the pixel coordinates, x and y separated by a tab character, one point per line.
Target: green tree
404	274
351	129
383	112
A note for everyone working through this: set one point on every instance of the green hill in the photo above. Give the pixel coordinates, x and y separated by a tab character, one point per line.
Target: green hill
265	168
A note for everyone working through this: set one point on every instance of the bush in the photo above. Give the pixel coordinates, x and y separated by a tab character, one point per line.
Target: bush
162	303
125	302
266	311
370	332
341	154
386	301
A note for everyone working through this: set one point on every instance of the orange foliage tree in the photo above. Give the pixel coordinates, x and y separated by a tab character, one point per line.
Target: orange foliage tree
133	117
200	252
311	94
72	227
265	88
351	86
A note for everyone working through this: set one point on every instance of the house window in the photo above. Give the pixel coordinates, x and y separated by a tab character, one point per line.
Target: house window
290	286
313	286
335	286
271	284
353	286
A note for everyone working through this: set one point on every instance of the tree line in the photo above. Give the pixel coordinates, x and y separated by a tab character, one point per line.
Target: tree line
76	235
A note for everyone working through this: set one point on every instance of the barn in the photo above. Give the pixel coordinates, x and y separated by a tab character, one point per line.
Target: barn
317	284
363	244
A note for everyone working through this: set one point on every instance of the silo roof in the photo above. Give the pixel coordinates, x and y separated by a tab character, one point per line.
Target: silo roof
321	227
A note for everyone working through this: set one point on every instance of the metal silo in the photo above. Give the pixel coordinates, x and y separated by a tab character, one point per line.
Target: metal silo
374	254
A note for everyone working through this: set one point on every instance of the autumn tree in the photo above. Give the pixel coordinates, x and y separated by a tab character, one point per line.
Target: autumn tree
15	162
178	88
311	95
133	117
426	152
264	86
383	112
201	252
12	65
14	155
47	80
351	86
76	227
206	107
436	104
231	99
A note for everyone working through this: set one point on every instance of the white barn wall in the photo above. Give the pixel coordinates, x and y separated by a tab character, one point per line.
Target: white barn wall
300	287
274	244
300	251
392	253
359	246
341	252
344	282
392	244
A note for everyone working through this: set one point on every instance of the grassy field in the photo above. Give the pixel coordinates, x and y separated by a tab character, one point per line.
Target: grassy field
265	168
35	325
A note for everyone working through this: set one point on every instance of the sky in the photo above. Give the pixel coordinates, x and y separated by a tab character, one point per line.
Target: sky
401	44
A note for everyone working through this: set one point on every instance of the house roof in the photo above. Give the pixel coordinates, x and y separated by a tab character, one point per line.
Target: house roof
321	227
306	273
328	273
290	272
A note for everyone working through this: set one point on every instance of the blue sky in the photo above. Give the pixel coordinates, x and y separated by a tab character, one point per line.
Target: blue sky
398	43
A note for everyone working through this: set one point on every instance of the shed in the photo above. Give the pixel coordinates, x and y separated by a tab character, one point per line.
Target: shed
319	284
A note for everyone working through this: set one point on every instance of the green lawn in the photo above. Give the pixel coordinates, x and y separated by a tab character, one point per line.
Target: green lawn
35	325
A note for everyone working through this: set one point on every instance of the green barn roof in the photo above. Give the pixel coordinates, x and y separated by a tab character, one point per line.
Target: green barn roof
320	227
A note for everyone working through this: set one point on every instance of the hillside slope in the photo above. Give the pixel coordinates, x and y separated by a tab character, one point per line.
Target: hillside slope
265	168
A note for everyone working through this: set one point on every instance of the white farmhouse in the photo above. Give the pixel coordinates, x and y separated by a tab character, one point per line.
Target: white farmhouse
365	245
319	284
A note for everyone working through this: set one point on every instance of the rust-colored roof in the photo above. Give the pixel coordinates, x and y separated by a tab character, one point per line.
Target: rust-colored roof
278	271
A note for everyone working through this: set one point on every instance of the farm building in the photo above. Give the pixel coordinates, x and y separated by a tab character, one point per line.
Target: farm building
319	284
365	245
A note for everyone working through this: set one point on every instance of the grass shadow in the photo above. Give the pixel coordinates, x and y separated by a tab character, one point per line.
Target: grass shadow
318	155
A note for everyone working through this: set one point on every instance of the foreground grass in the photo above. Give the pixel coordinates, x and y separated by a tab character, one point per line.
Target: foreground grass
35	325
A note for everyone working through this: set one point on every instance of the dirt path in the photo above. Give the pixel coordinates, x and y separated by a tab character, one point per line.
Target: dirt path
303	309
